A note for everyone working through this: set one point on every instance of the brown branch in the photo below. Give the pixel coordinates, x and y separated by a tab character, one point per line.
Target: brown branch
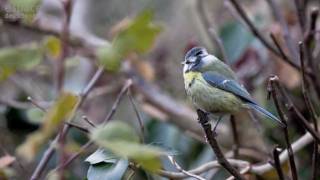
210	135
116	103
300	9
286	34
309	41
307	99
254	30
139	118
50	150
292	108
85	118
277	164
83	129
273	92
111	113
236	142
59	72
210	31
283	55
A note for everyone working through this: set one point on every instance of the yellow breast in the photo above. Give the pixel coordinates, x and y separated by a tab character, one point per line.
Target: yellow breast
189	77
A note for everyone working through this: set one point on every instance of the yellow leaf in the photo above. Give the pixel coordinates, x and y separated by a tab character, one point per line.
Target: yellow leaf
53	46
62	110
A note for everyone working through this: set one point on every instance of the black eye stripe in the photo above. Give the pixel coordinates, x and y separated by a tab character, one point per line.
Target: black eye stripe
198	53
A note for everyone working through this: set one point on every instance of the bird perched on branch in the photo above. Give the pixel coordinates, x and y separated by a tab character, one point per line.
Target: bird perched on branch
213	88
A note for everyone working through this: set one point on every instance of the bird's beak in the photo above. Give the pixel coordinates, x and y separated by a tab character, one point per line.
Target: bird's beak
183	63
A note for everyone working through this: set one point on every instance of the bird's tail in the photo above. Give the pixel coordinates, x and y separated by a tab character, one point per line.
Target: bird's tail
265	113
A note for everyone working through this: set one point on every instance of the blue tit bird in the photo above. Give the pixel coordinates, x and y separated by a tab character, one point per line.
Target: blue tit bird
213	87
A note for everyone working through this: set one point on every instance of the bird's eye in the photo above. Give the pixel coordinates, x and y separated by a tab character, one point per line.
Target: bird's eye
187	62
198	53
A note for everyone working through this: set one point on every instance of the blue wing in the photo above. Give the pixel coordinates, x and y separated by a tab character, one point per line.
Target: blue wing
229	85
232	86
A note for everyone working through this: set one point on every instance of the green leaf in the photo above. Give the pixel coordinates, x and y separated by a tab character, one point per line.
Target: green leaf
147	156
28	8
115	131
109	57
121	140
61	110
21	57
108	171
138	36
35	115
236	38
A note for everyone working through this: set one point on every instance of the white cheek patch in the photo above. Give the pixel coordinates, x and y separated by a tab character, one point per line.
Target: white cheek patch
185	68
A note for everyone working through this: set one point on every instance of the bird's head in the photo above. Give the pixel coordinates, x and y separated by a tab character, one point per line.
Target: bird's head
194	59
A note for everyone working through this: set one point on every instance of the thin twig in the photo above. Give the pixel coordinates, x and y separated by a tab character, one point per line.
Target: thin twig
59	76
111	113
272	90
78	127
252	28
85	118
50	150
292	108
60	72
286	34
174	162
277	164
36	104
203	168
283	55
204	121
301	14
236	142
92	82
307	99
139	118
14	103
125	88
309	41
210	31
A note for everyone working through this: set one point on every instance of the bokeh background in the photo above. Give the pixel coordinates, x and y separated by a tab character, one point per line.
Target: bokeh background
168	117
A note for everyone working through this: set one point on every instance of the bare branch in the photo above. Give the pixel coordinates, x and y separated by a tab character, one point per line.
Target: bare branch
210	135
85	118
277	163
111	113
139	118
83	129
286	34
252	28
50	150
272	90
307	99
210	31
173	161
235	135
203	168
